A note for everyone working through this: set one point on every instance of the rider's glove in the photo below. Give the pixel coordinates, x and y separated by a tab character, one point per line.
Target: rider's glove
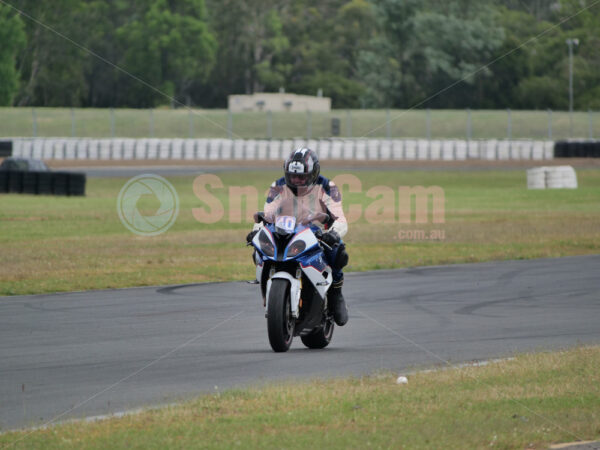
331	238
251	235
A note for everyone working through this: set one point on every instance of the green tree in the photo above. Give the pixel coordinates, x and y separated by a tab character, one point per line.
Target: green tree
584	26
12	37
510	67
537	9
251	52
454	44
170	47
426	47
326	41
52	68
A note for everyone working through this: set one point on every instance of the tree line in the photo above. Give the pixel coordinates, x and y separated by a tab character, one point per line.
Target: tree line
361	53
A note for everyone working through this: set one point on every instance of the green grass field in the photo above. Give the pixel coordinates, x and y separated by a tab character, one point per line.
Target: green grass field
485	124
529	402
52	244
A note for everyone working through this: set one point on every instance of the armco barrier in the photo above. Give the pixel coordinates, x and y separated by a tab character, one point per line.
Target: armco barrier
42	183
327	149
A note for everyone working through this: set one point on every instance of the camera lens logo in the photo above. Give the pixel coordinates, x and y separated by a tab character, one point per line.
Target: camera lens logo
155	188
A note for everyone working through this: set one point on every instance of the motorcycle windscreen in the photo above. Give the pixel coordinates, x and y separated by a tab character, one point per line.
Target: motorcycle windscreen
305	210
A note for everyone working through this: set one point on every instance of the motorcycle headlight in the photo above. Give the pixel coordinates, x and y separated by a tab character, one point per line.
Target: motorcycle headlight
296	248
266	245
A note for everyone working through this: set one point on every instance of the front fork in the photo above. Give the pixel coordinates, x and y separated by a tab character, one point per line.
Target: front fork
295	290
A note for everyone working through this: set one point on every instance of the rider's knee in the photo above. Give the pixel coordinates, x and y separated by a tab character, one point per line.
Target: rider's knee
341	257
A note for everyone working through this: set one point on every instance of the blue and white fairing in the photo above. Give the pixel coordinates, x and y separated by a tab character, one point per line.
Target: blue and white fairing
304	248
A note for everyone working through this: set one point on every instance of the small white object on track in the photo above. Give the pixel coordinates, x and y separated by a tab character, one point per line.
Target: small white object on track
401	380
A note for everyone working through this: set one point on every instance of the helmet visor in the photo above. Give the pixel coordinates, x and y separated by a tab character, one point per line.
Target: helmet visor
297	179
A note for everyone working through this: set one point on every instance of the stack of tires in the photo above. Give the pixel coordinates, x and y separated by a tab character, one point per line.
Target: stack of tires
536	178
60	184
3	182
76	184
577	149
5	149
15	181
30	182
554	177
42	183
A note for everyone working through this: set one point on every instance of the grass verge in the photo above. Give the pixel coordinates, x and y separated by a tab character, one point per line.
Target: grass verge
529	402
53	244
213	123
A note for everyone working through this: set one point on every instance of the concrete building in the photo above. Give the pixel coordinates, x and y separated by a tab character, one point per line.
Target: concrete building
278	102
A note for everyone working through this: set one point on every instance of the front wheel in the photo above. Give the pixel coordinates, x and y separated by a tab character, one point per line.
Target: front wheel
280	322
321	337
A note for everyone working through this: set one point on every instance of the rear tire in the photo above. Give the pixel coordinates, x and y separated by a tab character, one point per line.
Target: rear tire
280	322
321	337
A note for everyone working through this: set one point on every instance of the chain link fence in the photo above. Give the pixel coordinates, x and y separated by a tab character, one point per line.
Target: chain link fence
391	124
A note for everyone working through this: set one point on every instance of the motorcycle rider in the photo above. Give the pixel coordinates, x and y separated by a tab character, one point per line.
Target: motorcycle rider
303	183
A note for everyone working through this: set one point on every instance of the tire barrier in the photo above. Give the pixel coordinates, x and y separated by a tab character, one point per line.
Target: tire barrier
76	184
252	149
60	183
6	148
30	183
556	177
42	183
15	181
3	182
577	149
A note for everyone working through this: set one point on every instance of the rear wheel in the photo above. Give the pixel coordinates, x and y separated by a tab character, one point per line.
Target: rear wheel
321	337
280	322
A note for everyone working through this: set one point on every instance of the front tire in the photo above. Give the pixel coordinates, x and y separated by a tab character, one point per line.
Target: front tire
321	337
280	322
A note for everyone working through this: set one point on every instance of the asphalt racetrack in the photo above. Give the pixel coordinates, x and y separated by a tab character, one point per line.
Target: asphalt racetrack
74	355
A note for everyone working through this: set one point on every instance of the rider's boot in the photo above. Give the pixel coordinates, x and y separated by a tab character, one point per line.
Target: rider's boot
337	304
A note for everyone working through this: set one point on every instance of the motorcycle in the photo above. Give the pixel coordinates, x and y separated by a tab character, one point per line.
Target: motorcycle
294	278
